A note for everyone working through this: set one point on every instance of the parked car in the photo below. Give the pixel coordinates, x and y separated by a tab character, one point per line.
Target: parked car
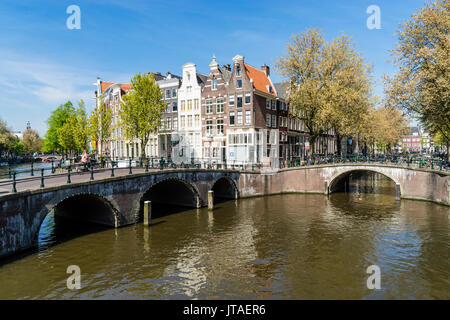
49	159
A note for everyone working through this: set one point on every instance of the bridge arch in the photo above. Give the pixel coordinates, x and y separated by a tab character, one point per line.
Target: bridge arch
337	178
77	205
225	188
172	191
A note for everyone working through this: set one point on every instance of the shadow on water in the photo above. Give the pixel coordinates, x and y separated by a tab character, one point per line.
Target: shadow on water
54	230
365	194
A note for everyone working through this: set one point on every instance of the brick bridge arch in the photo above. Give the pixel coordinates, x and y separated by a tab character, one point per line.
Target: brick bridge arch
342	174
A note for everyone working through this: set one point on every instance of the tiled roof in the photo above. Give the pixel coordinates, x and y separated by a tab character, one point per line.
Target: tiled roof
123	86
260	80
106	85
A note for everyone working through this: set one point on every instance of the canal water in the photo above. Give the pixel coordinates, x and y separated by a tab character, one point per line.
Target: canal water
294	246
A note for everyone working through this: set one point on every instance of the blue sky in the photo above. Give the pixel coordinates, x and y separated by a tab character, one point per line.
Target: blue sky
44	64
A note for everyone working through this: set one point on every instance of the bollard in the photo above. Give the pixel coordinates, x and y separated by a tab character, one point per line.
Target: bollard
42	178
130	171
53	166
9	171
146	164
210	200
32	168
68	174
14	182
397	192
147	213
92	173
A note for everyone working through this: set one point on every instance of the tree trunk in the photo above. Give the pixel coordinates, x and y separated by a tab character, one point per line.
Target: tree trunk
339	144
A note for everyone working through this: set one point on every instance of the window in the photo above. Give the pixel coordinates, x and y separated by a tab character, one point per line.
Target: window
274	121
209	107
168	107
182	105
209	127
220	103
239	101
207	152
214	84
232	118
239	117
174	93
231	100
247	117
238	71
274	105
189	121
268	120
238	83
188	89
267	104
189	105
196	104
247	98
182	122
175	123
197	120
168	94
174	106
220	126
168	126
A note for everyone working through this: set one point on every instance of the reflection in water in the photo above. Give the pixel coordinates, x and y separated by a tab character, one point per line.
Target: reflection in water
294	246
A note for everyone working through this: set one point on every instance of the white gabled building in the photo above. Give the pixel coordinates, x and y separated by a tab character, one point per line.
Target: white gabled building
187	144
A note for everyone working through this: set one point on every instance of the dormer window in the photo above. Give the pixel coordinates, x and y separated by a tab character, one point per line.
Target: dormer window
214	84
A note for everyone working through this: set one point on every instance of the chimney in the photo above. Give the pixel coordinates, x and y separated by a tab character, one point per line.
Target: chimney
266	69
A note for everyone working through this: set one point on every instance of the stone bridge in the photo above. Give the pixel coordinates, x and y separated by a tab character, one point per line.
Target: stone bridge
118	201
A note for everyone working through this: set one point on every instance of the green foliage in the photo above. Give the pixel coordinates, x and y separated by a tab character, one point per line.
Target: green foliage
142	109
421	85
99	124
330	86
68	129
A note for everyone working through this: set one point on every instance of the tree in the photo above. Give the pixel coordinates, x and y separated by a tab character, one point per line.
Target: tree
329	84
32	141
56	121
383	127
82	127
100	124
7	139
421	85
142	109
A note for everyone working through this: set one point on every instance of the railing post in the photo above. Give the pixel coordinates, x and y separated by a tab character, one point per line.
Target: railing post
32	169
68	174
42	178
112	168
14	190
